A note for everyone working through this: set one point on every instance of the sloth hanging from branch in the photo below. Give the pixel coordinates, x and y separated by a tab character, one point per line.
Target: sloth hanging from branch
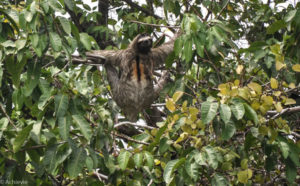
130	73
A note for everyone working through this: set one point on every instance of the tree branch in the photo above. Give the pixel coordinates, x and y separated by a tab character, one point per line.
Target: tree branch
276	114
133	124
146	11
130	139
155	25
5	113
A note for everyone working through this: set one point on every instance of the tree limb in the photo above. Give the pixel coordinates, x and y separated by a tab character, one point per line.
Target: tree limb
130	139
276	114
133	124
146	11
5	113
155	25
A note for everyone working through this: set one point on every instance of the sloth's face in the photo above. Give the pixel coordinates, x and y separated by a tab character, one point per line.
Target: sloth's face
144	44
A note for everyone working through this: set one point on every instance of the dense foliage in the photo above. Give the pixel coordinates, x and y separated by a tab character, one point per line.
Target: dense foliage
232	108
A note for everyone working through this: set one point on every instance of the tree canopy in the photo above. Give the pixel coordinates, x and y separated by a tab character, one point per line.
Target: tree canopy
232	109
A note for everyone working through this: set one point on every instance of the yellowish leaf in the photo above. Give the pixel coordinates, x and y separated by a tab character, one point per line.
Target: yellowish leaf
277	93
255	105
292	85
193	110
274	83
244	93
279	65
244	164
256	87
289	101
184	106
182	137
234	92
244	176
236	82
177	95
170	105
263	130
278	106
239	69
229	7
156	161
296	68
224	89
267	100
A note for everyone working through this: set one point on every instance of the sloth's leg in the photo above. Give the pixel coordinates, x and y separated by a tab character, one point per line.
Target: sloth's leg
112	76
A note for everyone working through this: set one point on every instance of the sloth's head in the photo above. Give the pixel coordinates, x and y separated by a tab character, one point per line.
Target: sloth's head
144	43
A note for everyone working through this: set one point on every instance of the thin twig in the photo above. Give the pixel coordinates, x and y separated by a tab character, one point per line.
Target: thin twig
222	9
151	181
5	113
155	25
288	110
146	11
278	114
130	139
133	124
100	176
158	105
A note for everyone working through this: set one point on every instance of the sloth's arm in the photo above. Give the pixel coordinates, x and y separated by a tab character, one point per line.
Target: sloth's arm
112	57
160	54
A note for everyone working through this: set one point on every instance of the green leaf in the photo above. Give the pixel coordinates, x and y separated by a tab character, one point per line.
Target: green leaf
34	38
164	145
170	168
49	160
219	180
65	25
76	162
277	25
33	76
149	159
208	111
61	105
123	159
228	130
192	168
158	136
20	43
44	98
56	6
138	159
291	171
28	16
250	113
284	147
212	156
3	126
8	43
21	137
237	109
85	40
36	131
225	113
55	41
188	50
178	46
83	125
199	46
290	15
64	124
63	152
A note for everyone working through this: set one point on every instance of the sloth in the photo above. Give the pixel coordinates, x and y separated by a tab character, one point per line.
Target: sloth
130	73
